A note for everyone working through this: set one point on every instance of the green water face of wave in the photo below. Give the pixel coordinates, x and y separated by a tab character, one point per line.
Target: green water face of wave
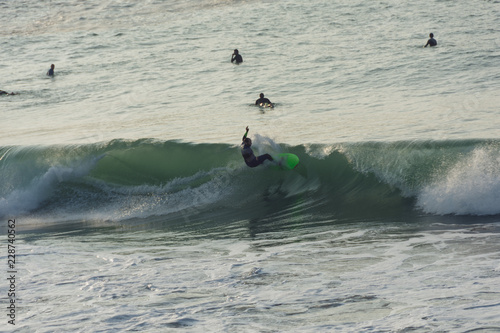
121	180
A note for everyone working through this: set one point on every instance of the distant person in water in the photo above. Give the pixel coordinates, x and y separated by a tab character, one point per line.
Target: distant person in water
263	100
236	57
250	159
6	93
51	70
431	41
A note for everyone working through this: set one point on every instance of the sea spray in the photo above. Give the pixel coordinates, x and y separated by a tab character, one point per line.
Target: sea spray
470	187
23	200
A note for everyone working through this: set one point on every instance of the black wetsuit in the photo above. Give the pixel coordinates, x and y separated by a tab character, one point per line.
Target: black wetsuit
238	58
250	158
262	101
431	42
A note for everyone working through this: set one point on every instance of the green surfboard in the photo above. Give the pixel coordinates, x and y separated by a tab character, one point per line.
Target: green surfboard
285	161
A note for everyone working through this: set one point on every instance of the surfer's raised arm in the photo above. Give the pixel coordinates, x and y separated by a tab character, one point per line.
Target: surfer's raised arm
245	135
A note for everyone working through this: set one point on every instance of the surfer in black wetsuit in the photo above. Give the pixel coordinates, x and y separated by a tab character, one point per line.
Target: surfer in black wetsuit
250	159
431	41
6	93
261	101
50	72
236	57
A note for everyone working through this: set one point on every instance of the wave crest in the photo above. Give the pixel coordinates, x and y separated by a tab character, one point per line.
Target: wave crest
121	179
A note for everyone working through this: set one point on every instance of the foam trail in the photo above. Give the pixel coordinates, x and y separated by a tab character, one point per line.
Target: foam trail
175	196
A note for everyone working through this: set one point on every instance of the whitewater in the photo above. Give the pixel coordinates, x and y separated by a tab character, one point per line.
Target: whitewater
134	210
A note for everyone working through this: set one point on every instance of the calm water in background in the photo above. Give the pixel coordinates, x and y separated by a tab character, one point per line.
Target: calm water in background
347	71
136	213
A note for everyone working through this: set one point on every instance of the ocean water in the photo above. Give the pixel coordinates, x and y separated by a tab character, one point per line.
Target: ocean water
134	210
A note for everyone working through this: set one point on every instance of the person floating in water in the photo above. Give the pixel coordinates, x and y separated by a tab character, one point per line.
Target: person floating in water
262	101
431	41
250	159
236	57
50	72
6	93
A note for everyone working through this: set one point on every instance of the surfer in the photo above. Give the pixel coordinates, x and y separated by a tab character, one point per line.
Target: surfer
6	93
262	101
250	159
431	41
50	72
236	57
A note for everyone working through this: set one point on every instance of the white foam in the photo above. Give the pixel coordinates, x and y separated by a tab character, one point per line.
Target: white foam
179	194
24	200
471	187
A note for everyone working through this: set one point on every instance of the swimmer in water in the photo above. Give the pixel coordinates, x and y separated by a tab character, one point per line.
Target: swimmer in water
431	41
250	159
261	101
236	57
50	72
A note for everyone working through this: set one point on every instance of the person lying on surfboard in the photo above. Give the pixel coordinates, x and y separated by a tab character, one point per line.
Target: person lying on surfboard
6	93
250	159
